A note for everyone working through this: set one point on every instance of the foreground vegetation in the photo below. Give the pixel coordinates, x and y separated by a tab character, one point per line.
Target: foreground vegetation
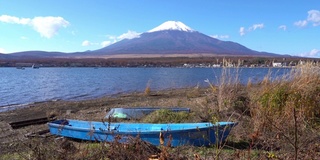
278	119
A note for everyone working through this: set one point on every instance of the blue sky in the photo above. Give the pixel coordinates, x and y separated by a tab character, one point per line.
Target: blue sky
284	27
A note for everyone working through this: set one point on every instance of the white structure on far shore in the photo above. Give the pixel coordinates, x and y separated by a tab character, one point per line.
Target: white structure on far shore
276	64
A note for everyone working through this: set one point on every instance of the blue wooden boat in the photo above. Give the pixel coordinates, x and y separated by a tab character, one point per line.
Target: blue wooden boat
139	112
197	134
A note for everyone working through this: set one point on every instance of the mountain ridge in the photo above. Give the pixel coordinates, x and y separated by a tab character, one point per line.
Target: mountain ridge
177	42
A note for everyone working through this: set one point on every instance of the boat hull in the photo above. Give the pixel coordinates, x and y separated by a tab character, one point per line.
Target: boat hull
177	134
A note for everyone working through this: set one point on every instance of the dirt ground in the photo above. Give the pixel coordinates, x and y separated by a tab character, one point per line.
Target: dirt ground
194	98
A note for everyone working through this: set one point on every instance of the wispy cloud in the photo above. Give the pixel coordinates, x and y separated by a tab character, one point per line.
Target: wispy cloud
312	53
313	18
129	35
106	43
256	26
14	20
220	36
46	26
86	43
283	27
113	39
244	31
301	23
2	50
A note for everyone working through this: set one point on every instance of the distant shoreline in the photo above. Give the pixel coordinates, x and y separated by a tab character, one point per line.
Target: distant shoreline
164	61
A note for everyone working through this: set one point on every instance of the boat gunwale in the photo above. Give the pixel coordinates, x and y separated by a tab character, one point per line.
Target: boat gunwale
143	131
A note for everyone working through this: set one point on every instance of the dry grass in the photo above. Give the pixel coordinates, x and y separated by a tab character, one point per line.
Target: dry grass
280	117
286	112
147	90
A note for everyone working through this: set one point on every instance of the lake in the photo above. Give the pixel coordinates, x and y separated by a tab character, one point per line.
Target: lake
20	87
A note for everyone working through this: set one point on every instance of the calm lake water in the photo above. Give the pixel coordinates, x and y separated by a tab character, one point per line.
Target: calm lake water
19	87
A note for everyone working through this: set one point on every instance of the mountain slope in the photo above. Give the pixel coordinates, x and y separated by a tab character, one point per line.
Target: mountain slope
5	56
38	54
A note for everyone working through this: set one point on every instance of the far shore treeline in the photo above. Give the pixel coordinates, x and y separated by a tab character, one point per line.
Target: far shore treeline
160	62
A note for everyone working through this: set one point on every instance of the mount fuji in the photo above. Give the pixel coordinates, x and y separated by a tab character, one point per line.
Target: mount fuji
174	37
171	38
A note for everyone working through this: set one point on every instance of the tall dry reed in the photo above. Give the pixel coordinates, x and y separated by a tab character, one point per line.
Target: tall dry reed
228	88
286	111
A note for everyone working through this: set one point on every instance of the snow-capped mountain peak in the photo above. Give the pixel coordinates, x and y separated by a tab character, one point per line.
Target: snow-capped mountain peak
172	25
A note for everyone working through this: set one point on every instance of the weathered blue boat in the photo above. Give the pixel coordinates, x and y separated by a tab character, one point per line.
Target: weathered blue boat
139	112
177	134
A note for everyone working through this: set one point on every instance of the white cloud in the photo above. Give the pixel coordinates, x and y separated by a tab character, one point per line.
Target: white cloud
242	31
256	26
220	36
2	50
129	35
312	53
14	20
106	43
214	36
301	23
113	39
46	26
283	27
314	17
103	44
86	43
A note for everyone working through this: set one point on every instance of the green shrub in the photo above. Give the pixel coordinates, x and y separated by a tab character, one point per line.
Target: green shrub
167	116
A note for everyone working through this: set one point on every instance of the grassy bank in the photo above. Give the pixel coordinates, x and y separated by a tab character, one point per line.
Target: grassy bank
278	119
